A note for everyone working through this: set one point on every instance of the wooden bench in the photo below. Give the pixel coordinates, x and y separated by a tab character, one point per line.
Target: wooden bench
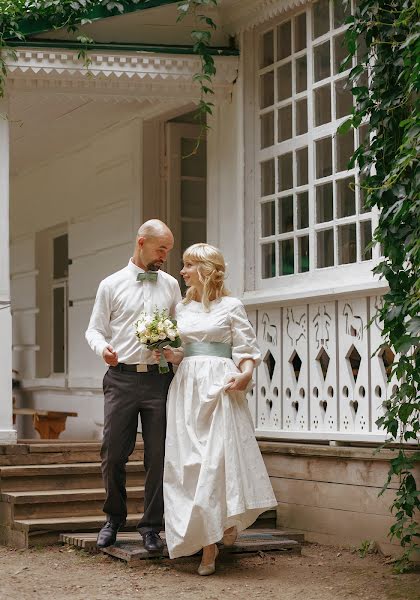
48	423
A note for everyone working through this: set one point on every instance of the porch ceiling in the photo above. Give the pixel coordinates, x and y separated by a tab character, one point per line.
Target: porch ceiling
47	126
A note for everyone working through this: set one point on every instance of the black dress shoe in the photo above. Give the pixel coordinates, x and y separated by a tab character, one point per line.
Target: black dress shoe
108	534
152	541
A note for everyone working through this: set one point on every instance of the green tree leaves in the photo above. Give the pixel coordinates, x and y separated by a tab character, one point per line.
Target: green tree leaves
390	162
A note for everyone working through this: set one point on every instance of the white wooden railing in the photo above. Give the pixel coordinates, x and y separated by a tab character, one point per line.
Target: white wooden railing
318	378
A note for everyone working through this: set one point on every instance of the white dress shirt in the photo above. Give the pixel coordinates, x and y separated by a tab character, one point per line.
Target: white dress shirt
119	301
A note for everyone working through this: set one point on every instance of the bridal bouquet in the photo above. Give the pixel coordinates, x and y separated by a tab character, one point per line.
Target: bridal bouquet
157	331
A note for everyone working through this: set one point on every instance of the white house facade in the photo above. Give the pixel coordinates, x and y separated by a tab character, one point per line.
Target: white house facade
95	152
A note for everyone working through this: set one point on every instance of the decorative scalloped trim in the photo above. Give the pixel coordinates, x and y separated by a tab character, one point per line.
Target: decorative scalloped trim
139	66
247	14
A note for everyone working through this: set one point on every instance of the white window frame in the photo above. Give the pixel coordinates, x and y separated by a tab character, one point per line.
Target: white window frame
352	271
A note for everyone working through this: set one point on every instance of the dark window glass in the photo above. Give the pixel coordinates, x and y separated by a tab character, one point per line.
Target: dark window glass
61	256
58	329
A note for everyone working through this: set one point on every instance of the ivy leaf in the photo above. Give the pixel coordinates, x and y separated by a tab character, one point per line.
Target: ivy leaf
413	326
404	344
115	6
405	411
345	127
201	36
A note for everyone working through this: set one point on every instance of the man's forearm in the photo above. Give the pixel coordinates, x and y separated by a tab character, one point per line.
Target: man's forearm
96	340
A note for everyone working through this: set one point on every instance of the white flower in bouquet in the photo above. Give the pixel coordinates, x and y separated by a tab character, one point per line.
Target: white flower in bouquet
141	329
157	331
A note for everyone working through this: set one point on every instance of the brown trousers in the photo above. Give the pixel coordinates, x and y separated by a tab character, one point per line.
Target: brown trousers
128	395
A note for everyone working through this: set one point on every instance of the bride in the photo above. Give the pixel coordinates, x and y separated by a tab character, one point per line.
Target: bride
215	481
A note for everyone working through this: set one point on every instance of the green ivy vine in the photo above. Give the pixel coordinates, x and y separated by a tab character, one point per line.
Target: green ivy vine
71	14
384	36
202	42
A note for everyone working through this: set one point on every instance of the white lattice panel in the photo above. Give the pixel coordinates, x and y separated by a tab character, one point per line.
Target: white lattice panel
323	403
353	371
269	372
318	379
381	360
295	369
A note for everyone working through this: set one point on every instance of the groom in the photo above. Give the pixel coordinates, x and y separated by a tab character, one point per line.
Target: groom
132	385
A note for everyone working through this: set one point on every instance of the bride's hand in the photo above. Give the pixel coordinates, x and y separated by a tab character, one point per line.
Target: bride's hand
168	353
156	354
238	382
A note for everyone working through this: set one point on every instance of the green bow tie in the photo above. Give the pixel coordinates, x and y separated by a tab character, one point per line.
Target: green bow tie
148	276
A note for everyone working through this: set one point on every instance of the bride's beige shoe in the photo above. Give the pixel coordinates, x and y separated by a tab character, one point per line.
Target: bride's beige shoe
229	537
209	568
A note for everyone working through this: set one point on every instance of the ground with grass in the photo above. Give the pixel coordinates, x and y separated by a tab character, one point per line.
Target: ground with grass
320	573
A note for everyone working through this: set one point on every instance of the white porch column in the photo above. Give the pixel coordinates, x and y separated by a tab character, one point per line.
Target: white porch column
7	433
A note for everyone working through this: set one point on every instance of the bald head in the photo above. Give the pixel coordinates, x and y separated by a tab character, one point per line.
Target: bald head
153	242
154	228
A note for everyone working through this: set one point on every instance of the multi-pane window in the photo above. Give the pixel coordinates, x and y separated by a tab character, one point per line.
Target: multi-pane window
52	264
310	210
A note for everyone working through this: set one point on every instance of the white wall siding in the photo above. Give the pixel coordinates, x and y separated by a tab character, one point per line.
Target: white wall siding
85	369
78	183
87	271
94	191
22	257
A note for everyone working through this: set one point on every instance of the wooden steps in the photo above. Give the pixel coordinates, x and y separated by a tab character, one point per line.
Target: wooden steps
42	452
53	488
50	488
62	476
39	532
58	503
33	526
87	540
129	546
266	520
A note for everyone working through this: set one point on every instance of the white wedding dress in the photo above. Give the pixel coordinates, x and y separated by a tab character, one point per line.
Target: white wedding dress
214	474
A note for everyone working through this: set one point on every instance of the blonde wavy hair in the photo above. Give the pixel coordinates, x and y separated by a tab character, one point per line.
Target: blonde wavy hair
211	269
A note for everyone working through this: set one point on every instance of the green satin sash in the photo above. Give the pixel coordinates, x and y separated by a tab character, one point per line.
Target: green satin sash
208	349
